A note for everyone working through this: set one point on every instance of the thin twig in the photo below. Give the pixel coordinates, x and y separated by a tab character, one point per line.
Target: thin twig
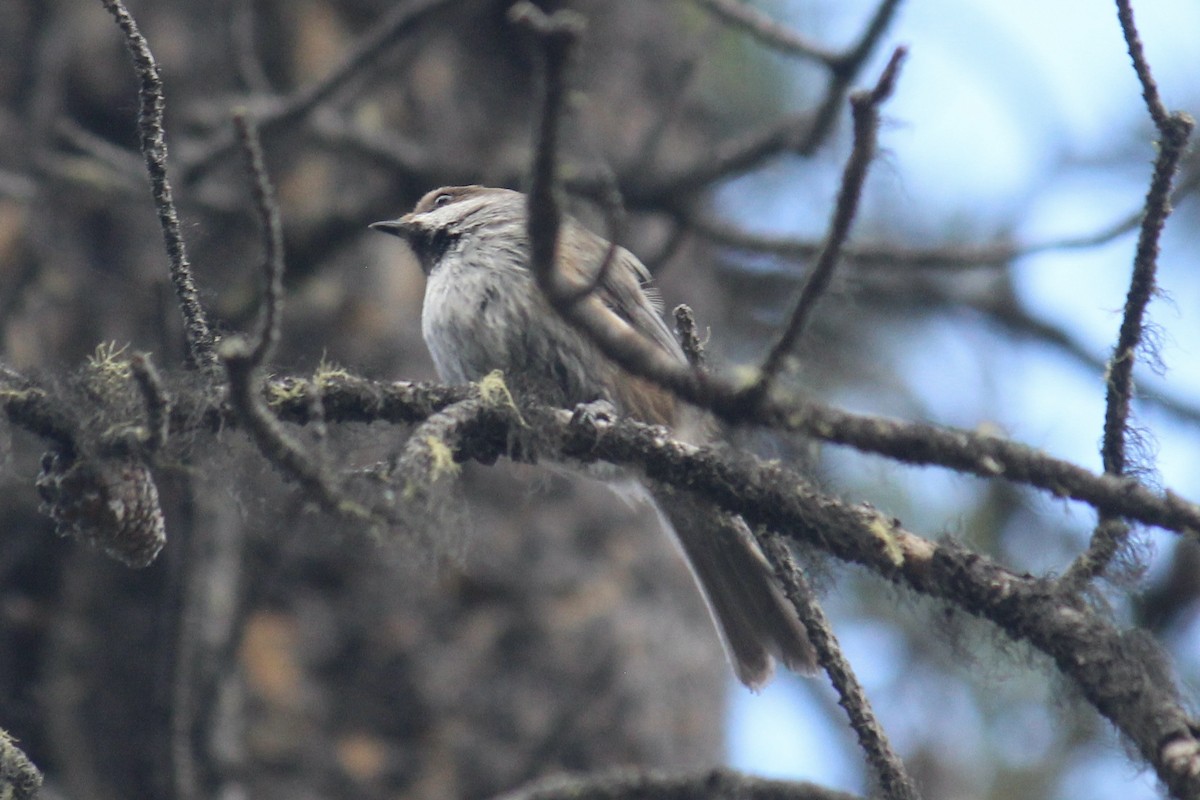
272	228
855	56
887	766
1000	308
119	164
154	395
1133	41
865	110
1141	289
892	256
768	31
201	341
1008	313
689	338
985	456
671	105
614	224
1174	130
801	134
794	133
404	157
399	22
276	445
243	25
557	35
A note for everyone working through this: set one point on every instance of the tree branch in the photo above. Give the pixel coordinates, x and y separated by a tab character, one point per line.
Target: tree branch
801	134
865	110
767	31
1174	130
272	230
395	25
884	763
201	341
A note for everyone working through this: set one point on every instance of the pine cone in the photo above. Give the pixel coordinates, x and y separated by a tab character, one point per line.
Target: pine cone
111	504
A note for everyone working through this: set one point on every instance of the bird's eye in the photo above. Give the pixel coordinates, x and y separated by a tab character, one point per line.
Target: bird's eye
442	199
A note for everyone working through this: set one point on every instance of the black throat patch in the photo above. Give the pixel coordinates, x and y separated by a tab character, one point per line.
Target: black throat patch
430	246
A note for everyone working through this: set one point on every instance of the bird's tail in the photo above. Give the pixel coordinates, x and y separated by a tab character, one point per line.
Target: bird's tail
756	622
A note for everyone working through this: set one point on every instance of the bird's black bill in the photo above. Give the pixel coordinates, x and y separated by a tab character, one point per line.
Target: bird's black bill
394	227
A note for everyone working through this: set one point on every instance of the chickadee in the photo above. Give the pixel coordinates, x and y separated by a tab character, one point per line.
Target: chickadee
484	311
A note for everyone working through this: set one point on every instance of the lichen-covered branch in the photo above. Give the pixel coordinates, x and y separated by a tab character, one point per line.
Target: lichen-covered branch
201	340
1174	130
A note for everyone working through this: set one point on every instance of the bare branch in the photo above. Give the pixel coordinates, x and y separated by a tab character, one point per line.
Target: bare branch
557	35
276	445
767	31
272	229
689	339
865	109
801	134
1141	289
1133	41
201	340
614	223
895	256
796	133
346	398
395	25
854	58
154	394
888	769
1008	313
243	25
1174	131
350	399
987	457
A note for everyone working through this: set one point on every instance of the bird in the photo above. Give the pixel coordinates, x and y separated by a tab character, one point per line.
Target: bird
483	310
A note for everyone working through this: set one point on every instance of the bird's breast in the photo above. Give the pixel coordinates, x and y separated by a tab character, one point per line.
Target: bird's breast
478	318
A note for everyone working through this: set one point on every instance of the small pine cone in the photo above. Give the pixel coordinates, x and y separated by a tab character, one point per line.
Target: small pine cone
111	504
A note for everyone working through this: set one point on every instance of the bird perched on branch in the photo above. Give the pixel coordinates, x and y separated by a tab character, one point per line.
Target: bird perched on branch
484	311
